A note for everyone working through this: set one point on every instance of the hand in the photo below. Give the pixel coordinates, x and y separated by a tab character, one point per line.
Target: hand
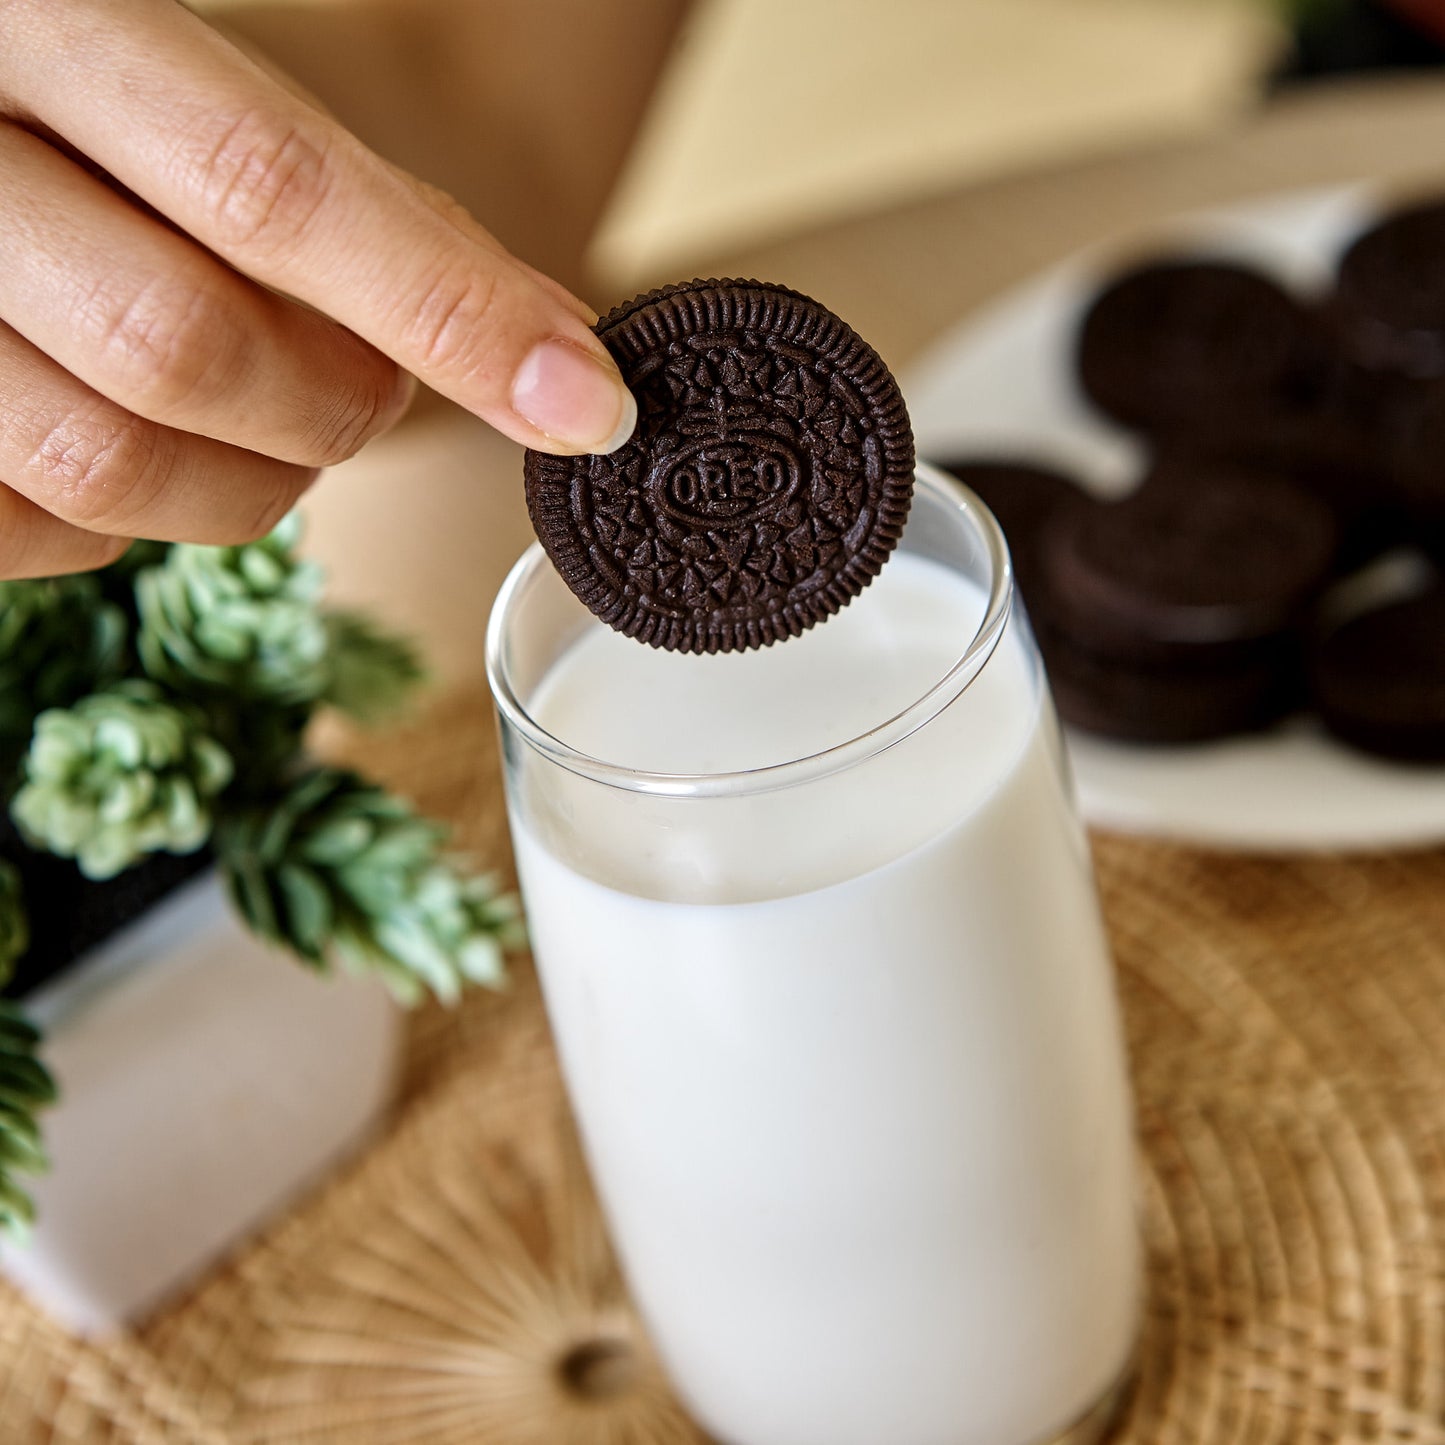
209	290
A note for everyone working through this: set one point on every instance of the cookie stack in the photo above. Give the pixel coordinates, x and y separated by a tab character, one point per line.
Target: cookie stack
1283	549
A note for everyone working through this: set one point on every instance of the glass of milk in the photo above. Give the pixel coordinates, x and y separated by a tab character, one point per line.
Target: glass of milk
822	955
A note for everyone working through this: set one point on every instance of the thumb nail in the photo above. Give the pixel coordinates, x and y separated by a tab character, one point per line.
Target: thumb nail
573	397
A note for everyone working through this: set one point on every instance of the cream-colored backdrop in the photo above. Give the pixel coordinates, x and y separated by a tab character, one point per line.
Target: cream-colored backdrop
777	113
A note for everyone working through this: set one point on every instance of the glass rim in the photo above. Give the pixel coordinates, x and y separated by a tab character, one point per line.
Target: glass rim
771	777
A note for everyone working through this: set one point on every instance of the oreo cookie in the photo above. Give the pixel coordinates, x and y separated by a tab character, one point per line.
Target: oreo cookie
1389	303
1156	704
1024	499
1191	345
767	481
1414	444
1198	565
1379	679
1296	456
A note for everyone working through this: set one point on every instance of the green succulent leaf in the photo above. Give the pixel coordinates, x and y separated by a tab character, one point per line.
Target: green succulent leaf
26	1087
372	674
121	774
339	868
59	640
309	910
14	925
242	621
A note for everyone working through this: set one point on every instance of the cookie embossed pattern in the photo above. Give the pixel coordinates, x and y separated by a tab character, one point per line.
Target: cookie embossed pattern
767	481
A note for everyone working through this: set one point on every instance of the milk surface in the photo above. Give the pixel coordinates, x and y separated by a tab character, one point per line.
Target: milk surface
848	1073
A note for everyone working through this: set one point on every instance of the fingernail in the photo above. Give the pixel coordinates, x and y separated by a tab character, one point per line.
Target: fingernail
573	398
405	394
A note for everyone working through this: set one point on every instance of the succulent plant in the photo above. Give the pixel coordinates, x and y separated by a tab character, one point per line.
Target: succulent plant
340	864
161	703
59	639
371	673
26	1087
14	922
121	774
239	620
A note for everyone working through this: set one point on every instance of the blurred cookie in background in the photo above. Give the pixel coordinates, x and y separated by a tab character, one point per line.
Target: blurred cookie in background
1378	678
1192	345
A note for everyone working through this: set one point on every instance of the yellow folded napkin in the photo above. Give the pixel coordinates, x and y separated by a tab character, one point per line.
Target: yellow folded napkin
777	113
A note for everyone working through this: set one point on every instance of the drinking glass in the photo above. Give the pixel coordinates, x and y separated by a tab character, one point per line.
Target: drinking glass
839	1026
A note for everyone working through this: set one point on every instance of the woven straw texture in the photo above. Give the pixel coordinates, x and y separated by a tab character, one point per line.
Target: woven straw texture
1287	1026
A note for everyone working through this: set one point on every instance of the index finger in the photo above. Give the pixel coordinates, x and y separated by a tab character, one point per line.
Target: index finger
198	131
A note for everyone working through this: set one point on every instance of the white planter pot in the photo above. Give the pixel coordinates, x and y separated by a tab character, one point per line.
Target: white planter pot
205	1080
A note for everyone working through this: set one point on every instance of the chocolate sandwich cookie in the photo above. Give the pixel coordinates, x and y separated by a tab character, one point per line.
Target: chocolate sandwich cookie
1388	308
1024	498
1197	565
1157	704
1312	457
1414	447
1378	680
768	479
1326	437
1191	345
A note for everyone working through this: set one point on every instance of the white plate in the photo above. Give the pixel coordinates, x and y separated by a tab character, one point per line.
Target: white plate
1002	383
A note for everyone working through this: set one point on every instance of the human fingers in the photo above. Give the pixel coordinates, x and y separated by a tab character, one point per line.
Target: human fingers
104	470
452	210
149	319
281	192
35	544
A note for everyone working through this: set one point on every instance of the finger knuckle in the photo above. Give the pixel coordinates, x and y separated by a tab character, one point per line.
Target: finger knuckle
170	347
89	551
445	205
450	328
341	423
34	545
261	177
99	471
269	506
109	549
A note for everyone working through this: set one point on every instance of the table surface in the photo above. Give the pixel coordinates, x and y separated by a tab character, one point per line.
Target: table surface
1286	1020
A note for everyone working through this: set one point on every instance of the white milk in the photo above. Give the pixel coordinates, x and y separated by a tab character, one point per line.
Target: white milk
856	1106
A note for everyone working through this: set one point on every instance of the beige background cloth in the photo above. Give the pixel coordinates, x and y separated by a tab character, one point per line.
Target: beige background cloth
776	114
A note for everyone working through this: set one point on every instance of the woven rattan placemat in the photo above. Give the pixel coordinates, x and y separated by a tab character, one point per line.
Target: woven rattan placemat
1286	1020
